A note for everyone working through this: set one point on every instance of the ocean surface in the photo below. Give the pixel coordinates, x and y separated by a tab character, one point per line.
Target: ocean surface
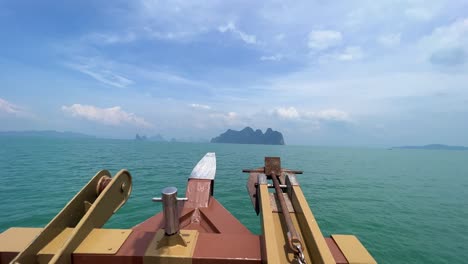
406	206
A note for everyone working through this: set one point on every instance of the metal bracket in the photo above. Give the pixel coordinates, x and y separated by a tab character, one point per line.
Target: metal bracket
262	179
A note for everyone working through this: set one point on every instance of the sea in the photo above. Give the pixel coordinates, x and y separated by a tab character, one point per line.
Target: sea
405	206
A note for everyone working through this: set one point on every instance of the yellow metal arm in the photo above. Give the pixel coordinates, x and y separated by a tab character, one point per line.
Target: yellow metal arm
90	208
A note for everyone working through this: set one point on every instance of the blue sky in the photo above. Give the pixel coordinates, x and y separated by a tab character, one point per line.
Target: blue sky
322	72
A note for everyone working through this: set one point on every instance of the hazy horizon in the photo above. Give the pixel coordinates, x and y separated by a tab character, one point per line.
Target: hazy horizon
335	73
169	139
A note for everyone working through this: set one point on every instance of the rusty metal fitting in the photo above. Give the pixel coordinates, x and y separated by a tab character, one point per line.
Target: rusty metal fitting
102	184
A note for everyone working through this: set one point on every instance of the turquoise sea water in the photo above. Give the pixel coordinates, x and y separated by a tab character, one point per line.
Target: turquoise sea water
406	206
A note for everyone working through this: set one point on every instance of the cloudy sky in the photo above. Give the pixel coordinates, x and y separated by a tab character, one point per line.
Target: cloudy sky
322	72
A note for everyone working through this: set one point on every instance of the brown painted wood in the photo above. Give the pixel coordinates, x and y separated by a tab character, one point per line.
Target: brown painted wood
222	219
227	248
106	259
6	257
252	190
151	224
198	193
210	248
335	250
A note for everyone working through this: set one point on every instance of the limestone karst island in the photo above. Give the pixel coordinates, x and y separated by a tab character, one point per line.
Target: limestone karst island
249	136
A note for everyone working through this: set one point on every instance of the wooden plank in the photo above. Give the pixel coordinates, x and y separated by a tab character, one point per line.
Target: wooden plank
16	239
311	233
275	204
227	248
336	252
99	241
269	239
353	250
205	168
285	253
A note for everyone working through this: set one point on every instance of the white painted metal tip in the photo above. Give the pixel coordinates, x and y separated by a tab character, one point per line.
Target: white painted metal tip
205	168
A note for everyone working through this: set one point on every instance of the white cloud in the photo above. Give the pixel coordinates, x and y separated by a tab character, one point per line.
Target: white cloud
390	40
231	27
200	106
111	38
232	115
279	37
329	115
102	74
169	35
8	107
229	116
291	113
12	109
447	45
455	34
286	112
169	77
350	53
109	116
419	13
324	39
111	72
276	57
228	119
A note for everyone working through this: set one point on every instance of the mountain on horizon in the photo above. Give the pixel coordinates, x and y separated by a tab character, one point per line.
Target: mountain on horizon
157	138
433	147
249	136
44	134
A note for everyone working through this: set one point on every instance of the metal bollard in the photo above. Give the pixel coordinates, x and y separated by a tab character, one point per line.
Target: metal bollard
170	209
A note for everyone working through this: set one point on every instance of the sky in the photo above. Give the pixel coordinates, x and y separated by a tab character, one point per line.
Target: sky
321	72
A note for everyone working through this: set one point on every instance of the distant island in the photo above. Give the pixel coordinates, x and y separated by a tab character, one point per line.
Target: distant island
44	134
249	136
160	138
157	138
433	147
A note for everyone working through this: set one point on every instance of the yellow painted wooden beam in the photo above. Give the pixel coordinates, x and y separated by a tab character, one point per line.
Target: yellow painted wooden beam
270	243
312	235
99	241
353	250
16	239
